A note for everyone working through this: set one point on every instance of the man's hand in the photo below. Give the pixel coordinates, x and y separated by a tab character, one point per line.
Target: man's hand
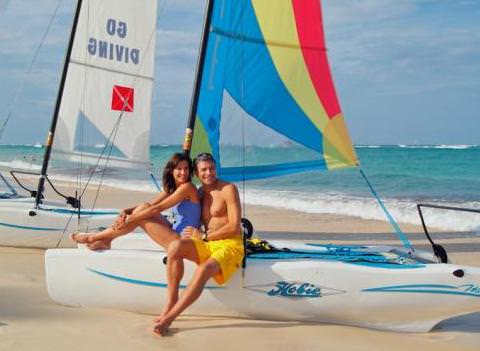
191	232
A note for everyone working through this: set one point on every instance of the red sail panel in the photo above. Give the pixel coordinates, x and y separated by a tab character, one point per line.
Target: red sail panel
308	18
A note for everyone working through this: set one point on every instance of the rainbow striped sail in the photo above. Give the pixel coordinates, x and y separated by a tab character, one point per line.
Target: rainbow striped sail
268	59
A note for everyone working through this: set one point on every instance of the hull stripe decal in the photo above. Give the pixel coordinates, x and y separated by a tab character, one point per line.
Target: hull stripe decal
144	282
30	228
84	213
465	290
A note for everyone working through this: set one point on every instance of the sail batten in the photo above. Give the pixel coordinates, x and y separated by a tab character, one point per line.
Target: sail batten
261	41
269	60
110	70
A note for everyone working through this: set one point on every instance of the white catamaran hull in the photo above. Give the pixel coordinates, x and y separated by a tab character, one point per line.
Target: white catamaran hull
411	298
22	225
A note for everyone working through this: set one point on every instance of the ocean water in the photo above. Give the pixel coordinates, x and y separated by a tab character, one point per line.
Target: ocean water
402	175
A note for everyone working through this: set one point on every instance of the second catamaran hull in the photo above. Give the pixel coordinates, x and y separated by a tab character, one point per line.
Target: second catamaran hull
411	298
21	225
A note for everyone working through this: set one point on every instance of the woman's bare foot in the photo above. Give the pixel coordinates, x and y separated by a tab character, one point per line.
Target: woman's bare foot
168	306
161	328
80	238
100	245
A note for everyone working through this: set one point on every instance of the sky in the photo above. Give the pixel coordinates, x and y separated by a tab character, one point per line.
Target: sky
406	71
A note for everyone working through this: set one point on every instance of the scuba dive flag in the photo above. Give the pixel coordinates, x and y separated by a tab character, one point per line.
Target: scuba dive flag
122	98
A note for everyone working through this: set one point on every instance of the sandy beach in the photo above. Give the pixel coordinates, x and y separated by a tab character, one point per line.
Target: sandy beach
29	320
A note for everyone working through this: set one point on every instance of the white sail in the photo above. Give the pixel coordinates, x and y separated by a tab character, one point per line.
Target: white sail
108	89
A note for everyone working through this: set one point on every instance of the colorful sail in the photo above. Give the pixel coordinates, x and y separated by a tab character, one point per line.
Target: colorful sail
269	58
108	89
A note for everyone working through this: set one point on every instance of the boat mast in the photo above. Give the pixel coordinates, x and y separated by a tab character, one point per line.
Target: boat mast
187	144
53	126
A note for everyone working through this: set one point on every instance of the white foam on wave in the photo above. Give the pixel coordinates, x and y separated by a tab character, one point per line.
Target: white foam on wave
403	211
454	147
443	146
19	164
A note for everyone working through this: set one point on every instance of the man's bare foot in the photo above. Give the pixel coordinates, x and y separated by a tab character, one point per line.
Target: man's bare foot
80	238
100	245
161	328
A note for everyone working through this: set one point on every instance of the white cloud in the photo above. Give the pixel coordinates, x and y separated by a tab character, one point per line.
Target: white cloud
409	51
21	32
177	44
354	12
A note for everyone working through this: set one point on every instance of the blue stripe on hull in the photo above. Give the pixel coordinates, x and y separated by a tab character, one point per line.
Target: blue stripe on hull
465	289
82	213
30	228
143	282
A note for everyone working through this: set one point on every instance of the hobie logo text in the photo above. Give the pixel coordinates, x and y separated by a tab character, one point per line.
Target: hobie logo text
471	289
295	290
114	51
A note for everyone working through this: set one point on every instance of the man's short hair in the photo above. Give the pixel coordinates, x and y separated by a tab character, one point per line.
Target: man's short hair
204	156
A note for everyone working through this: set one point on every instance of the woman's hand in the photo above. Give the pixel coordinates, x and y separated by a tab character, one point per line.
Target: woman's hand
122	217
127	211
191	232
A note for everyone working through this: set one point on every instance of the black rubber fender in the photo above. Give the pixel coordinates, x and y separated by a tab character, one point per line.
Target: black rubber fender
247	228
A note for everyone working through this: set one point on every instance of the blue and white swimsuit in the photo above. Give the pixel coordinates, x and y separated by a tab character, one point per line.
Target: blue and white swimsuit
186	214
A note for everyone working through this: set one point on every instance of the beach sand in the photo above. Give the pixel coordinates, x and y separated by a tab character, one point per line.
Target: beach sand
29	320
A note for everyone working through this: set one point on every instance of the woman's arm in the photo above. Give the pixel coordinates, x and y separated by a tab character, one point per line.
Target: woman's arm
183	192
161	196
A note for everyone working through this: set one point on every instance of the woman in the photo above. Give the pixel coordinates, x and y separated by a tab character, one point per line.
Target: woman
178	193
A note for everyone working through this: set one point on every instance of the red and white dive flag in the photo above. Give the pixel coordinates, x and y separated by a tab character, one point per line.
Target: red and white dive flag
122	98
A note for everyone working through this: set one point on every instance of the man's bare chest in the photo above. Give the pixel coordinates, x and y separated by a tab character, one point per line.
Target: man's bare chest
214	205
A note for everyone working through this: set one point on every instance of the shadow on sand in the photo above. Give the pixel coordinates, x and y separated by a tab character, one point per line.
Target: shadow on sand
469	323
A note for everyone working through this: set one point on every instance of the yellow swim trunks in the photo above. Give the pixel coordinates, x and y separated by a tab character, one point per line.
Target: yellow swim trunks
227	252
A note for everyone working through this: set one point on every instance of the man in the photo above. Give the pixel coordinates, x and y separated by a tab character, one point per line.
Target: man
218	251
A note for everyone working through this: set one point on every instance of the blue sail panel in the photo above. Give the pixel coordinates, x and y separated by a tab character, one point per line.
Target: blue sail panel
235	174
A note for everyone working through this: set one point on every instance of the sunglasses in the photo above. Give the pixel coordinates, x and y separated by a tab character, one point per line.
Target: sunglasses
204	156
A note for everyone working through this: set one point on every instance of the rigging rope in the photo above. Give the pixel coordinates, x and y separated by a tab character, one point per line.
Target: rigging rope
401	235
107	159
29	70
242	97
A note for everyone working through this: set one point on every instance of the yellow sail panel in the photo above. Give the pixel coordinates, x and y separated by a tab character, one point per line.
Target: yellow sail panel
338	150
285	50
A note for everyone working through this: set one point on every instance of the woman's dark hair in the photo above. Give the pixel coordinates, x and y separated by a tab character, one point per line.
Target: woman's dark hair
167	179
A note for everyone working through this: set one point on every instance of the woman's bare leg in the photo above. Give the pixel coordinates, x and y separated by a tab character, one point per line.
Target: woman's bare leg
177	251
107	235
159	230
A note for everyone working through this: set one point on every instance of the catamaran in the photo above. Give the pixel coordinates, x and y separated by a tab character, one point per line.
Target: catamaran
268	60
104	98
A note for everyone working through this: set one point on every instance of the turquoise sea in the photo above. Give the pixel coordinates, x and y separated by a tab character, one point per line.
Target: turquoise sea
402	175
